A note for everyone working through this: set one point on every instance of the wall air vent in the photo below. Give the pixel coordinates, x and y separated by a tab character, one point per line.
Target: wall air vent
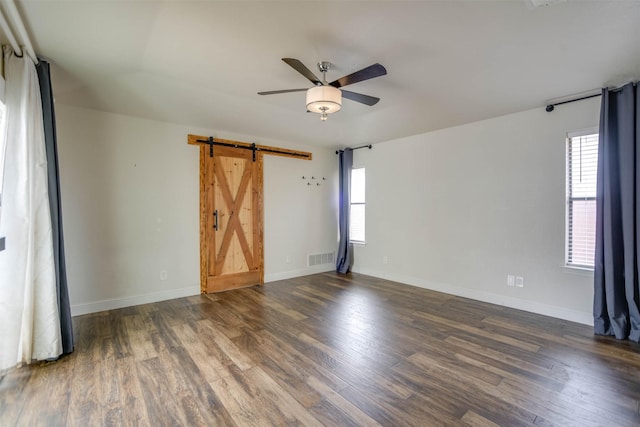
321	259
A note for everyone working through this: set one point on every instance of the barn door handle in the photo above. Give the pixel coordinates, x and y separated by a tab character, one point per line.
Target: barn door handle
215	224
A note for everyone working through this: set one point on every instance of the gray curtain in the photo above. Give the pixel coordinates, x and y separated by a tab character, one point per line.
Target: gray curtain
44	78
345	249
616	307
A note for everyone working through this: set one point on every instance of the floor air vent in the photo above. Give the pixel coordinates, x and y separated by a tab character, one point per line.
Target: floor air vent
320	259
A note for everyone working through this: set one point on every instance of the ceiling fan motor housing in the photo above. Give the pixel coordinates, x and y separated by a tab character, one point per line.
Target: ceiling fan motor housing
324	66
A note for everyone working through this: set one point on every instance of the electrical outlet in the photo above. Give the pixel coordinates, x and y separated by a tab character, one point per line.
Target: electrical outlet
511	280
385	259
519	282
288	259
163	275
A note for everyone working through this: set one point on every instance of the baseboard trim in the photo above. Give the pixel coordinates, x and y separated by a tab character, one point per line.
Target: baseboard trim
507	301
113	303
284	275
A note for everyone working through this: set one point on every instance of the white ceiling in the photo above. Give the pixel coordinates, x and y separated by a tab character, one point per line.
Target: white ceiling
201	63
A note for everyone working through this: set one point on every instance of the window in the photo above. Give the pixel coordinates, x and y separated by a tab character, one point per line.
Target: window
356	222
582	164
2	143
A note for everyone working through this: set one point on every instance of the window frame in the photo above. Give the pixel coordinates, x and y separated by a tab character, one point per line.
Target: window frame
569	200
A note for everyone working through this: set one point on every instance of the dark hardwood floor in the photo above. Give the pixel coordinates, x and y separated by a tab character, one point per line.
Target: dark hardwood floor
328	350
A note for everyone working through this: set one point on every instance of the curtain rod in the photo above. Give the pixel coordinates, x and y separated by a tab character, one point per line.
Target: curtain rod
10	9
355	148
550	107
610	89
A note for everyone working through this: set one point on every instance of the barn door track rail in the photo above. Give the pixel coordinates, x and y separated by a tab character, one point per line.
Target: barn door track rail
255	148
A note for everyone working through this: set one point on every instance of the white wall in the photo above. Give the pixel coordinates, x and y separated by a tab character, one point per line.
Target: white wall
454	210
130	197
300	219
458	210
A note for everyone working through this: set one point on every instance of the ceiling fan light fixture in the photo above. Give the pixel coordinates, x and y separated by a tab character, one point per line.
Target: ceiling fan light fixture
324	100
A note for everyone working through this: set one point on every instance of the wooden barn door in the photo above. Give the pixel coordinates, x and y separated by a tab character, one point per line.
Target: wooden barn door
231	219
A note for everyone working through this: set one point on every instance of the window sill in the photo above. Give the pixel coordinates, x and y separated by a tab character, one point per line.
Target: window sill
582	271
357	243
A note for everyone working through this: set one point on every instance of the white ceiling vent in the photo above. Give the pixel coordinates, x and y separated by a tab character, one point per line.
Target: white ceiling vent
541	3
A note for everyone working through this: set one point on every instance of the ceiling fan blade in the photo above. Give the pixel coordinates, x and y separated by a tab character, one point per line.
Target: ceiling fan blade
358	97
302	69
375	70
273	92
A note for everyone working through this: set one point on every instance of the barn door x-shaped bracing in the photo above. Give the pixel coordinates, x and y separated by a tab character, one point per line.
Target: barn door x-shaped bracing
233	206
231	213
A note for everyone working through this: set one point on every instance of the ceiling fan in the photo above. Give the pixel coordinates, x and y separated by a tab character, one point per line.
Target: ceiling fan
326	98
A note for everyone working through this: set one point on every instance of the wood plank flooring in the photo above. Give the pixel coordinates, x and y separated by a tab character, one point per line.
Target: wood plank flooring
328	350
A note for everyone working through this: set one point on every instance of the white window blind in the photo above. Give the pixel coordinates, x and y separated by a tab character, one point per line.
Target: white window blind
582	165
357	220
